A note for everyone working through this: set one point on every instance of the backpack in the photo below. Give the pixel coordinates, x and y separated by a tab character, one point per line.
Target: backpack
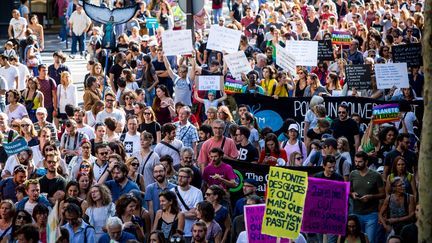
299	142
341	162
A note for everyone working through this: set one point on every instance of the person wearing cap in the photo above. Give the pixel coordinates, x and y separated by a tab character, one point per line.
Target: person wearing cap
294	143
41	116
343	166
8	185
9	51
79	24
250	186
71	140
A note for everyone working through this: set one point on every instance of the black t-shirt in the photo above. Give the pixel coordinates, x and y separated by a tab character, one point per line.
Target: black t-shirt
116	70
258	31
236	9
151	128
409	233
347	128
313	27
167	81
197	178
409	156
334	177
313	135
247	153
53	185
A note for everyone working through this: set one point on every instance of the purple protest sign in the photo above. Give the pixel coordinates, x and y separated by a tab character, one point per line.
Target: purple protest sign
326	207
253	221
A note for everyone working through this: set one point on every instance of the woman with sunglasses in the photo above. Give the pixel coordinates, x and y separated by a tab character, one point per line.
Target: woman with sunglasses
100	208
150	125
75	165
300	82
295	159
128	98
133	165
7	212
163	105
21	218
28	132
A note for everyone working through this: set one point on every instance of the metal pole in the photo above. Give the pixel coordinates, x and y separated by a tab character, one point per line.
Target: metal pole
189	18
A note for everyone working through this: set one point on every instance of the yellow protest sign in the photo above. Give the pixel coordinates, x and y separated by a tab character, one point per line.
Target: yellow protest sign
286	193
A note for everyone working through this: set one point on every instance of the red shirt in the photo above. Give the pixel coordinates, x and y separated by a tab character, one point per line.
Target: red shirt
282	155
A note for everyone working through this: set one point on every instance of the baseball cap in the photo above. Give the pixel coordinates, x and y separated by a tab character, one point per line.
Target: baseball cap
42	110
251	182
293	126
145	38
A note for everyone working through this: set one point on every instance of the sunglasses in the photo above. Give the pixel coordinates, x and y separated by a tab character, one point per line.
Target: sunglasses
342	112
51	162
85	166
110	101
21	216
103	153
147	113
135	164
25	125
49	149
299	158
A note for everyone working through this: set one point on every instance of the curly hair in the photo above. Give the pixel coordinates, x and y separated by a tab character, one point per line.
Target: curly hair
105	195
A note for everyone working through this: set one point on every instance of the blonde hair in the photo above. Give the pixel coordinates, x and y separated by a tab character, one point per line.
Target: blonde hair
68	75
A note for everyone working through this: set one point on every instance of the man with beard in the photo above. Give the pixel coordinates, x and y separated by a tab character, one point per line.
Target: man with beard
120	184
109	110
186	161
188	197
71	140
32	189
367	188
199	232
218	172
249	188
52	183
79	115
153	190
79	231
169	145
100	168
7	186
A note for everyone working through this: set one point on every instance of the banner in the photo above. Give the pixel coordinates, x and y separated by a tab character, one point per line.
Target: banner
53	227
237	64
358	76
409	53
285	201
326	207
325	50
232	86
272	112
223	39
285	60
15	146
177	42
209	82
391	74
305	53
386	113
341	38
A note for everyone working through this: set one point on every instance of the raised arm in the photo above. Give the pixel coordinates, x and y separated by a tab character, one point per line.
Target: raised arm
168	67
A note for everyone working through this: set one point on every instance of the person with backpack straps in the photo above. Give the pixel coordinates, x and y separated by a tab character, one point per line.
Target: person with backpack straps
294	142
343	167
79	231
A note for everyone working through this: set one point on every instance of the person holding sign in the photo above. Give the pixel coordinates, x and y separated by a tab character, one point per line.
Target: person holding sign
182	82
211	101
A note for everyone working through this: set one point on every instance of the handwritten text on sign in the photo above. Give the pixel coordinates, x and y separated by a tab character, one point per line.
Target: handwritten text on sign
326	207
285	59
238	64
285	200
177	42
209	82
385	113
304	52
16	146
391	74
223	39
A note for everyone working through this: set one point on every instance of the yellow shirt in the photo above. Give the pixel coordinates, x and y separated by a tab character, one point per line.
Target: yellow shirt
281	91
268	86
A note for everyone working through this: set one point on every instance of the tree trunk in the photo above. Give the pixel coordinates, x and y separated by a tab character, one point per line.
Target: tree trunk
425	161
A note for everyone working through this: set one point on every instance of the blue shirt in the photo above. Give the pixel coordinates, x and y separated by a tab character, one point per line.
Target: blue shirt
117	190
125	236
152	194
78	236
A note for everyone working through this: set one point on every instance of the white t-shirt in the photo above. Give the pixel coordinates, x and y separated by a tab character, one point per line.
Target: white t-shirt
88	130
132	143
79	22
161	149
3	86
29	207
191	198
10	74
66	96
23	74
18	113
18	26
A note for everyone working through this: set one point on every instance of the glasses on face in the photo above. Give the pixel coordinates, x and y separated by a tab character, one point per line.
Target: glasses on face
15	125
110	101
49	149
85	166
299	158
184	177
300	73
25	125
20	216
147	113
51	162
342	112
103	153
128	98
218	128
135	164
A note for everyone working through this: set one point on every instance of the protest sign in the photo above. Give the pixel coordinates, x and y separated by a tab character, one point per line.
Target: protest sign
326	207
325	50
223	39
177	42
16	146
341	38
358	76
152	23
285	201
391	74
305	53
385	113
209	82
232	86
253	220
285	60
409	53
237	64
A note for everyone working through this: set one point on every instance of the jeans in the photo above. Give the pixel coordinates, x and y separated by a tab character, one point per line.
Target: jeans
63	32
150	96
50	111
80	39
369	224
217	13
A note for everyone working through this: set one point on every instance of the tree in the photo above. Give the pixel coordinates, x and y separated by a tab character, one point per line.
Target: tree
425	161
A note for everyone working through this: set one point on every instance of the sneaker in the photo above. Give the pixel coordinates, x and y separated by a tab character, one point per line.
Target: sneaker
62	41
72	56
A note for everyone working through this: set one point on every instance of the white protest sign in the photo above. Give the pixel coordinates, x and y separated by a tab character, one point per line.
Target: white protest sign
305	52
209	82
285	59
177	42
391	74
223	39
238	64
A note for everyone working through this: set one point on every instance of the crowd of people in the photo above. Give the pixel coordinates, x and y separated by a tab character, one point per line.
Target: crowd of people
143	158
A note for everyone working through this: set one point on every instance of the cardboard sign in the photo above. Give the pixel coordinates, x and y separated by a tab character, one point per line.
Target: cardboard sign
16	146
237	64
385	113
358	76
341	38
177	42
305	52
253	221
285	201
285	60
152	23
391	74
409	53
209	82
223	39
325	50
232	86
326	207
